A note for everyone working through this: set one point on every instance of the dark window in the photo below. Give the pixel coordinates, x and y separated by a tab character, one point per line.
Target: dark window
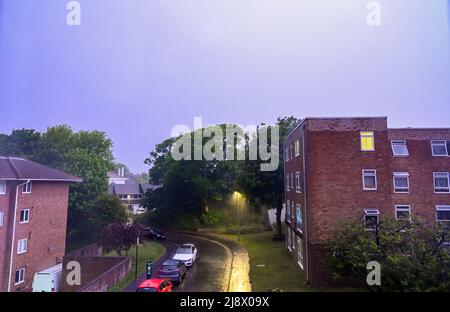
24	215
443	213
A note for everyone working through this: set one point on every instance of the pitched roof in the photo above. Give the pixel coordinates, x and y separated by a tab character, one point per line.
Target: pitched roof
131	188
14	168
127	189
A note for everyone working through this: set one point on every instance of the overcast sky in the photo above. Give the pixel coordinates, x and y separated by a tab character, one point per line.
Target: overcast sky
137	68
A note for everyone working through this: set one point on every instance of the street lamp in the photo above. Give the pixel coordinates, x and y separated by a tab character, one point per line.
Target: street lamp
238	196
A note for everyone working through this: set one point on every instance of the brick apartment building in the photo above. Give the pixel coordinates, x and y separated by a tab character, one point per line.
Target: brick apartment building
358	168
33	218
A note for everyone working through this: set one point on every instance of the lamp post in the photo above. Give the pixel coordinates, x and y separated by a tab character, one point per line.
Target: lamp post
238	195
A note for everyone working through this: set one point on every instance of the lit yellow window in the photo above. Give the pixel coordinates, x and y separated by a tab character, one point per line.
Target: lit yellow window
367	141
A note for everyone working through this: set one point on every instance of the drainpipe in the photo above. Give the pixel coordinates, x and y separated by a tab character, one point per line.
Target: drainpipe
305	203
14	234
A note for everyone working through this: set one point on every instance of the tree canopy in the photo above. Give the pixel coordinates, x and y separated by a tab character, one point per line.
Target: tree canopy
86	154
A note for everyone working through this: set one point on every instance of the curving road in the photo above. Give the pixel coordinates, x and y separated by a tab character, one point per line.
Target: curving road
222	264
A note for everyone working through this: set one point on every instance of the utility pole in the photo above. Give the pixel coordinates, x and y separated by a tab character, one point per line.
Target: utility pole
137	254
238	218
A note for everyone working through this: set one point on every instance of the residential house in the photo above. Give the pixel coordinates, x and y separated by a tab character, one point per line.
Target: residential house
359	169
131	194
33	219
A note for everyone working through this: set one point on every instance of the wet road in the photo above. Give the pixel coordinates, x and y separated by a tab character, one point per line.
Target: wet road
222	265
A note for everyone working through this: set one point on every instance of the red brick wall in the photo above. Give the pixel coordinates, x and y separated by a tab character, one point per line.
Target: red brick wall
420	164
46	230
5	202
334	190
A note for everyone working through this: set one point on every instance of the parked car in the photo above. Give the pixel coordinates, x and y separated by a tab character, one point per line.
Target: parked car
154	234
173	270
155	285
186	253
48	280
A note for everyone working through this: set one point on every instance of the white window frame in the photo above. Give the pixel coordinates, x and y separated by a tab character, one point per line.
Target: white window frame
22	272
439	142
369	173
300	257
288	210
371	212
2	215
399	143
402	175
22	246
298	187
442	208
441	174
292	151
27	214
292	180
402	208
361	136
26	188
298	210
287	182
289	239
297	148
2	187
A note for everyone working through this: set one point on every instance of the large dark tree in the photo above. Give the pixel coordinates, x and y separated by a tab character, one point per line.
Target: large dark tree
267	187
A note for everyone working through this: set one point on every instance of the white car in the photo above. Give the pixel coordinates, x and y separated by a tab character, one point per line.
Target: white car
186	253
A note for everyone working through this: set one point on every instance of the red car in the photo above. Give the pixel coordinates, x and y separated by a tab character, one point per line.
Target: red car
155	285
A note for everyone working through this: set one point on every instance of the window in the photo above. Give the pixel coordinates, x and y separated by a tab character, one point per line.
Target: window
289	238
441	182
22	246
20	276
297	148
299	225
298	187
292	152
2	187
300	251
439	148
292	210
367	141
401	182
443	213
1	218
26	188
292	180
371	218
399	148
369	177
288	210
287	183
287	153
24	216
403	212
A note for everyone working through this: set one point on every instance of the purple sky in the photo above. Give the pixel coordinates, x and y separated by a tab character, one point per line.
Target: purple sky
137	68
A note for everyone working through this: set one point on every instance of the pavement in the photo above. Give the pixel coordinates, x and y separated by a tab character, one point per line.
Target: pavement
222	264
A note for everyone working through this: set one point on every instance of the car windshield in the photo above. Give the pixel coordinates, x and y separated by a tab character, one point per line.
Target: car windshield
184	250
147	289
169	267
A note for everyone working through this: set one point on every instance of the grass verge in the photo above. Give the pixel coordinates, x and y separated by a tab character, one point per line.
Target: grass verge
271	265
148	251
